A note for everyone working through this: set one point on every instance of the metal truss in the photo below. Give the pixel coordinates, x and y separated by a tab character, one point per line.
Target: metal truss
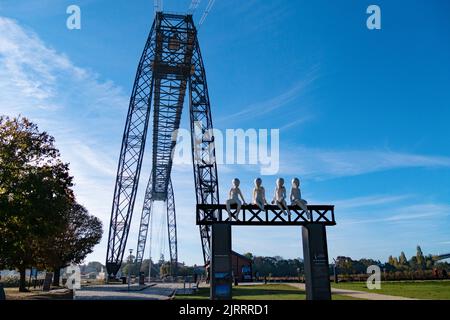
251	215
146	217
131	155
171	61
172	230
203	145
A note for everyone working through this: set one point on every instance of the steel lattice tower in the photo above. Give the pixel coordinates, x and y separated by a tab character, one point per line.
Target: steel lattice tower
170	65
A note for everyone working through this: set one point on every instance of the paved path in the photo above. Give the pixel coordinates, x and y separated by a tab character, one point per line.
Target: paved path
160	291
164	291
356	294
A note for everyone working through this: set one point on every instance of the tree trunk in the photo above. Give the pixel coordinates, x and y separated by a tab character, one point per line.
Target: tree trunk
56	276
22	281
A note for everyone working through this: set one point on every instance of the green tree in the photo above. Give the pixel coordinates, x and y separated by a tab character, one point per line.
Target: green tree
145	268
35	192
345	265
249	255
276	266
391	260
403	261
413	263
420	258
80	233
130	266
93	266
164	269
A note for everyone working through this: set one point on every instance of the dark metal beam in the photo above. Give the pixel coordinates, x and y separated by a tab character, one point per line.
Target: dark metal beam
131	156
203	145
272	216
170	63
144	226
172	230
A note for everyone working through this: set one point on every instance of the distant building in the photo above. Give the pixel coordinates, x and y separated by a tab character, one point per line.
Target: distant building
242	267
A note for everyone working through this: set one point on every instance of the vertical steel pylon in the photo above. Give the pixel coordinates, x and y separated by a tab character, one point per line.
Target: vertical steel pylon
131	156
170	63
172	229
203	145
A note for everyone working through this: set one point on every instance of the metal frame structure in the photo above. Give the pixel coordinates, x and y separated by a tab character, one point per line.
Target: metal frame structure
315	248
131	156
171	62
251	215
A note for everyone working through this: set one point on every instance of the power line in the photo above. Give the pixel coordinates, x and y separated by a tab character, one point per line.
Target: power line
207	11
161	235
194	5
150	251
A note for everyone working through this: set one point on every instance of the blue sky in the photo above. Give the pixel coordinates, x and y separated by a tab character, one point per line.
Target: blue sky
363	114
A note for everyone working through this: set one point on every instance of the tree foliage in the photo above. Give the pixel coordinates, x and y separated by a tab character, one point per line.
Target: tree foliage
74	241
401	266
35	192
277	267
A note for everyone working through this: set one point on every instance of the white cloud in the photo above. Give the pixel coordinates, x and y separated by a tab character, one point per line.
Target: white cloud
35	76
373	200
86	116
82	112
416	212
296	123
263	108
322	163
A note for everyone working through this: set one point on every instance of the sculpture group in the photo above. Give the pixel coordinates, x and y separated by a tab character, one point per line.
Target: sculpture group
259	197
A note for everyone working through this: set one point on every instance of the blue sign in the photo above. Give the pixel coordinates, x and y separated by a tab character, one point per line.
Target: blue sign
223	290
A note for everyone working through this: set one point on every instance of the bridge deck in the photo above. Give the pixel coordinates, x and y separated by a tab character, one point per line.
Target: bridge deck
251	215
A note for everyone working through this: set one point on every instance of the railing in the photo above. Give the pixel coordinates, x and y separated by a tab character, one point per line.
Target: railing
272	215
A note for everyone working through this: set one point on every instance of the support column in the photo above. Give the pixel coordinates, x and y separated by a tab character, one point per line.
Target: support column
221	271
315	255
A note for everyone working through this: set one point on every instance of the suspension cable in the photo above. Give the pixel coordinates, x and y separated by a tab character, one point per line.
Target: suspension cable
207	11
194	5
150	248
161	236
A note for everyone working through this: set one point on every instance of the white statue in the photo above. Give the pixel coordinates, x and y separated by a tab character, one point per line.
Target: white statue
280	197
296	197
259	194
234	195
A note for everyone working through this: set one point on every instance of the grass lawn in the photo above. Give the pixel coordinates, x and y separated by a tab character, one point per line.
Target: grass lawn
259	292
435	290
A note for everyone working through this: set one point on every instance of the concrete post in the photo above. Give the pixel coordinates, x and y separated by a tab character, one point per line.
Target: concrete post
221	270
315	254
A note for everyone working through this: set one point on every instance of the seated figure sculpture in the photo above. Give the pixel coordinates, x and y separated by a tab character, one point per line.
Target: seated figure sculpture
280	197
296	197
234	195
259	194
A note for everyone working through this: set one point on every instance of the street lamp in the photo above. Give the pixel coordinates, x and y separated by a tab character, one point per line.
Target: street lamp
335	271
129	268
